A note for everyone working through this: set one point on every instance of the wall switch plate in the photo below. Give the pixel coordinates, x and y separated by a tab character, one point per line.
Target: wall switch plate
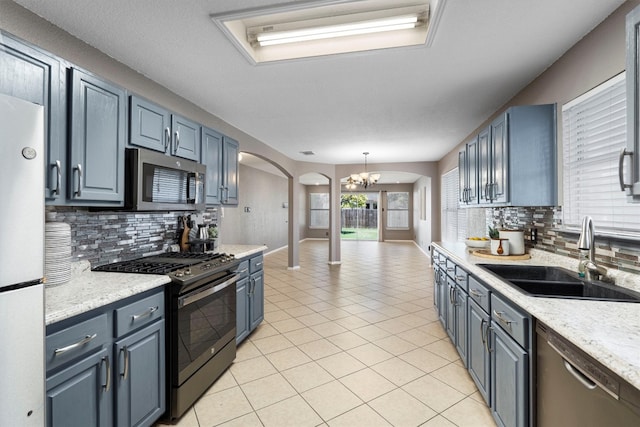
247	209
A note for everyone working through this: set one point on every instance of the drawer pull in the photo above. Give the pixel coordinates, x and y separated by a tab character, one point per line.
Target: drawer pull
125	374
148	312
107	386
461	277
476	294
502	320
244	270
258	264
83	341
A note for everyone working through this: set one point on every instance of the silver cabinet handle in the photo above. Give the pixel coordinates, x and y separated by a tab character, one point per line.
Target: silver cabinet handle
461	277
125	374
484	334
79	189
83	341
502	320
58	166
226	198
258	264
475	293
177	134
167	138
623	153
107	385
147	312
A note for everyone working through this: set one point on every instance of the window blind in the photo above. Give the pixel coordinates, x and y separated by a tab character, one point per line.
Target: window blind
594	132
453	220
398	210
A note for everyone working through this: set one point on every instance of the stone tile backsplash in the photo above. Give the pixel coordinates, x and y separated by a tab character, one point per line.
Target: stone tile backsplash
110	236
614	253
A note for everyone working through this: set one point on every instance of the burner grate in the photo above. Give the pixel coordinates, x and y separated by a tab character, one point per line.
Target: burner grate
141	267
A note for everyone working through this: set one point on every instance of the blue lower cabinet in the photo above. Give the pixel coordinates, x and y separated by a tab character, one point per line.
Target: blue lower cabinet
256	299
242	311
478	349
250	296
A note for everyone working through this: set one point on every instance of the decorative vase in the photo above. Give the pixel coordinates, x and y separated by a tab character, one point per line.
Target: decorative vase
500	246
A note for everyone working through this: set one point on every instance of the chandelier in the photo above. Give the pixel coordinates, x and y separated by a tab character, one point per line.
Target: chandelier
363	179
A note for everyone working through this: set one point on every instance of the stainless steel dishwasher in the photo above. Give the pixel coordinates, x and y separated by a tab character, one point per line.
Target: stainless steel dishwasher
573	389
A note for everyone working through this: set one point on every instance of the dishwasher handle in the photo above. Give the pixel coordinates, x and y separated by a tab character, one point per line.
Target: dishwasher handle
580	376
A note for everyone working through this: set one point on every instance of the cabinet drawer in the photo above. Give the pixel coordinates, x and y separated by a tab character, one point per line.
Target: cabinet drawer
450	266
513	321
243	269
435	258
479	293
462	278
76	341
255	264
139	313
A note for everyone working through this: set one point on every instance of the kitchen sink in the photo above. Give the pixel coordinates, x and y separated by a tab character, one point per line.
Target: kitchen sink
557	282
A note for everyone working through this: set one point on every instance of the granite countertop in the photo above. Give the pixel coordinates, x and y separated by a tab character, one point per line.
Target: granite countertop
608	331
88	289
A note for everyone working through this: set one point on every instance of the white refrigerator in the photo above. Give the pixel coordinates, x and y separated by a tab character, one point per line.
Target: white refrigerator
22	330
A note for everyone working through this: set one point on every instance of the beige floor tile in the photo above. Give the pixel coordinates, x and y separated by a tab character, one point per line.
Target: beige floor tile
433	393
444	348
267	391
328	329
395	326
217	408
395	345
247	350
435	328
288	325
398	371
319	349
252	369
438	421
334	313
414	320
347	340
457	377
402	409
312	319
291	412
189	419
331	399
263	331
341	364
371	332
224	382
367	384
302	310
469	413
351	322
373	316
276	316
273	343
249	420
362	416
288	358
355	308
289	303
418	337
370	354
424	360
307	376
302	336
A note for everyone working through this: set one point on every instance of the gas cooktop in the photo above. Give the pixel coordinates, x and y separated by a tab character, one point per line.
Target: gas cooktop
165	263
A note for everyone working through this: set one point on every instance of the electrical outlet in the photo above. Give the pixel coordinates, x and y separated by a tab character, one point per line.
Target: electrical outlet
247	209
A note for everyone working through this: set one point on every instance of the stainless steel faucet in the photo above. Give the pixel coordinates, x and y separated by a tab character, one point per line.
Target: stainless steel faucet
586	241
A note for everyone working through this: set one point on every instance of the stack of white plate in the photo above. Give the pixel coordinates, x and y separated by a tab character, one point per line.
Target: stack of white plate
57	252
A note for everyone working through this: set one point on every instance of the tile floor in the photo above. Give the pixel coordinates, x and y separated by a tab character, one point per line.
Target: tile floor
356	344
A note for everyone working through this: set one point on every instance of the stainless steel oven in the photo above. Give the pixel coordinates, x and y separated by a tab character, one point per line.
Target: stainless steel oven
202	332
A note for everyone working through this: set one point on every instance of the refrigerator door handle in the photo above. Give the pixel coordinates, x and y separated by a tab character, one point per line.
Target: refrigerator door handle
83	341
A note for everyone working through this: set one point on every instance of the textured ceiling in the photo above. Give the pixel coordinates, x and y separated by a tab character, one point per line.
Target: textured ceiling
401	105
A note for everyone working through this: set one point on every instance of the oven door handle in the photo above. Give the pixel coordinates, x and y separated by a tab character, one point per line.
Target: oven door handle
203	293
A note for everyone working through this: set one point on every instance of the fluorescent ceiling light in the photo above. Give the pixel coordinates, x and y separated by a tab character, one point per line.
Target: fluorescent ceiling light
268	38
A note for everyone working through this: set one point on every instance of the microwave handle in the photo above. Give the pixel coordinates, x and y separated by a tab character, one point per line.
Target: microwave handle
194	178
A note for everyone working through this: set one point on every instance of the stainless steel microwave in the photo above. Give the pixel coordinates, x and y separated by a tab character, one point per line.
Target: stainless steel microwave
155	181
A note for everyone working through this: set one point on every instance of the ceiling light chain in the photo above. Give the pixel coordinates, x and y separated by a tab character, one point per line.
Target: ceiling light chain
363	179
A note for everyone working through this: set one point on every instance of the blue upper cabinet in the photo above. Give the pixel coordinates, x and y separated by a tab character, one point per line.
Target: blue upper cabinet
185	140
631	183
212	158
31	74
156	128
230	152
97	140
149	125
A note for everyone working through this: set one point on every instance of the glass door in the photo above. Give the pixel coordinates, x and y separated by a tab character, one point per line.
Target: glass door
359	215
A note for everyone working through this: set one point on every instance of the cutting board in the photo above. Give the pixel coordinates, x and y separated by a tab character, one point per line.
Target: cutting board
486	253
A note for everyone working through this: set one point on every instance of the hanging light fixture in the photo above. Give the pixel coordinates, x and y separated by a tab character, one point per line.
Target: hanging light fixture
363	179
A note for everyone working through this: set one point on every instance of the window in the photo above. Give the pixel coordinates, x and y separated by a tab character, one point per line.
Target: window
398	210
319	210
594	132
453	220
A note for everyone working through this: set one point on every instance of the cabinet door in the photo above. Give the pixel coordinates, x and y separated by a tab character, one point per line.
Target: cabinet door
80	395
230	175
478	355
140	376
444	298
97	140
484	165
256	295
460	304
436	289
472	171
633	112
463	179
450	314
499	159
242	311
212	158
185	141
149	125
509	383
32	75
